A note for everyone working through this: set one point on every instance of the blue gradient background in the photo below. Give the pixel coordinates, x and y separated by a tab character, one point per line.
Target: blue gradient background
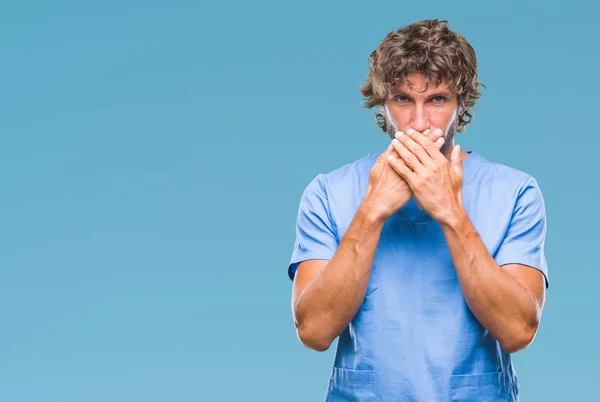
152	159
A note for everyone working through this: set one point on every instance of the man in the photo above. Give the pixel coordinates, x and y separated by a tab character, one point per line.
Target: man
426	261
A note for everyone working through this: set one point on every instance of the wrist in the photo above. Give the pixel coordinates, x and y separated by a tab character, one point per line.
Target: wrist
454	219
369	213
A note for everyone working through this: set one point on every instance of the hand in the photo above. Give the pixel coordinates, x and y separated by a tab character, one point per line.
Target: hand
387	192
435	182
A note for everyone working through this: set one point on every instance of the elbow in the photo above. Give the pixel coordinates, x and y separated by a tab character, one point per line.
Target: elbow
314	339
520	339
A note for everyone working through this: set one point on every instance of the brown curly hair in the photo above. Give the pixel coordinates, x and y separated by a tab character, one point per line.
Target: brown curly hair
431	48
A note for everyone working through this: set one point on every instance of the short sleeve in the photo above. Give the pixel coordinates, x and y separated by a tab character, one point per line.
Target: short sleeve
315	233
526	234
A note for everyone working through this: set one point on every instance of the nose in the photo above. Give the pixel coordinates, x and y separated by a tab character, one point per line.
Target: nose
420	119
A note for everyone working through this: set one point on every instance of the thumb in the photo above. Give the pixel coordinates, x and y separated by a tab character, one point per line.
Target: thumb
383	156
455	161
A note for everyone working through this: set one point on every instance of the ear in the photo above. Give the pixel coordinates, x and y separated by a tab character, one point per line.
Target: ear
382	110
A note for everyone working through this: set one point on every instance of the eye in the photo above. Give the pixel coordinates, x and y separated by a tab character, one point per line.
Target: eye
438	99
401	99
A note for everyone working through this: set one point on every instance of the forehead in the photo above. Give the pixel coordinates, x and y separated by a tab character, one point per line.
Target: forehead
415	85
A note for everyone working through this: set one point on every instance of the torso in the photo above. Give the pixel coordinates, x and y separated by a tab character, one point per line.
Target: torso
414	337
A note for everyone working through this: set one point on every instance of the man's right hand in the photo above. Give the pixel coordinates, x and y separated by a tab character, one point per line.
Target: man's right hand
387	192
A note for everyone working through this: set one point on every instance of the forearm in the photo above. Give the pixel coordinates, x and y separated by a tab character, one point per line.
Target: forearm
501	304
330	302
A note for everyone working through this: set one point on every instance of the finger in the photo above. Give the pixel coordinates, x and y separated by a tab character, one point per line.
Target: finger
456	163
435	138
400	167
395	156
434	135
380	162
413	154
383	156
427	144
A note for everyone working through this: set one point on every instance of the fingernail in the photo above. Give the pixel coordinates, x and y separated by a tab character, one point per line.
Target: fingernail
395	141
399	134
438	131
410	131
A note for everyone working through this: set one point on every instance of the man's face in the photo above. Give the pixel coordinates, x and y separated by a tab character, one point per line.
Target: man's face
410	106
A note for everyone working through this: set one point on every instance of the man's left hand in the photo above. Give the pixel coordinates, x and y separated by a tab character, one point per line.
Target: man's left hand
436	182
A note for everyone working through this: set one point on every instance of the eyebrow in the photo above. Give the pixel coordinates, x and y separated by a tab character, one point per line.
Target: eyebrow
433	94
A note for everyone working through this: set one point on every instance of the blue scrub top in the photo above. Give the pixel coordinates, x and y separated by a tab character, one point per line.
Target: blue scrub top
414	337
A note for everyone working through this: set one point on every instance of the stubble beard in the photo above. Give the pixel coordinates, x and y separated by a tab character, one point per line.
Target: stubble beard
446	149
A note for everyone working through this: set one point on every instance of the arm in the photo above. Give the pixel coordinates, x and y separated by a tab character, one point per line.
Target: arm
327	294
506	300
